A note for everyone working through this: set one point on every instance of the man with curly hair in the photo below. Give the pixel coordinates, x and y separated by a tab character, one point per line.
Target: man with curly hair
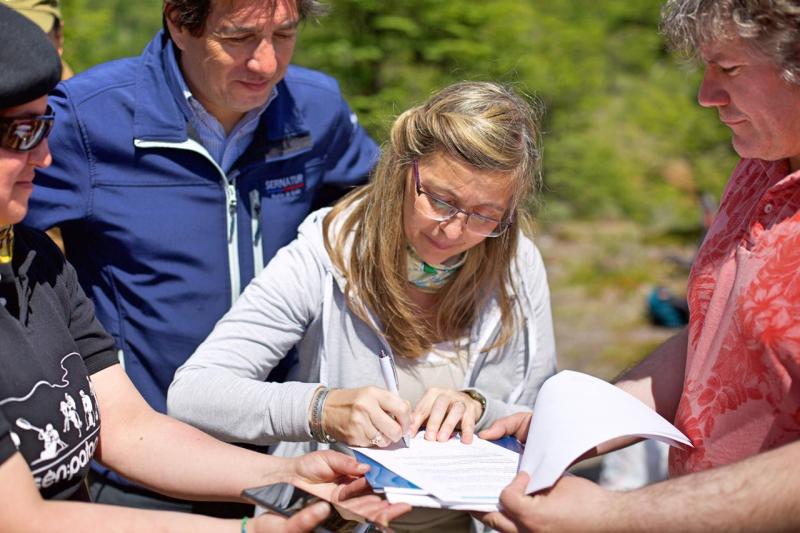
731	380
182	171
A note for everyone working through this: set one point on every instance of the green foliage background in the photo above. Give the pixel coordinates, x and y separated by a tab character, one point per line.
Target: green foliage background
624	136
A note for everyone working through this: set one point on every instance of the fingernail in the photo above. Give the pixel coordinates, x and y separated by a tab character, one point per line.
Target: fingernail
430	435
322	510
363	467
443	435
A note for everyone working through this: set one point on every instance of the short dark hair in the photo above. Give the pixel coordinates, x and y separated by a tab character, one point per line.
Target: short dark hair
192	14
771	26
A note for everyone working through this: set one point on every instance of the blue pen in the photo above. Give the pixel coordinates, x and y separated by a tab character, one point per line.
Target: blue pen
389	372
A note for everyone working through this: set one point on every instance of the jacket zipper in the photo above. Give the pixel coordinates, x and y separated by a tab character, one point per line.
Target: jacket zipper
233	245
255	223
489	329
229	185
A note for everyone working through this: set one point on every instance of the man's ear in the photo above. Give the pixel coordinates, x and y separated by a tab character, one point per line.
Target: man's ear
57	36
172	23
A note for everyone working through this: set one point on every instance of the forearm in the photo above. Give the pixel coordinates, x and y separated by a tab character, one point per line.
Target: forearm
757	494
80	517
241	409
222	388
178	460
168	456
23	510
658	380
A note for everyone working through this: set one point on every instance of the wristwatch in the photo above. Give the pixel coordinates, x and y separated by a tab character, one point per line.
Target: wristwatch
478	397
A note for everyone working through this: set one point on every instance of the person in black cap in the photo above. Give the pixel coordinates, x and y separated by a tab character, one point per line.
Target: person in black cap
64	398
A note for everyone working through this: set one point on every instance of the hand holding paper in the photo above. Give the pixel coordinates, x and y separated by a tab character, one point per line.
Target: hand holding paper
573	414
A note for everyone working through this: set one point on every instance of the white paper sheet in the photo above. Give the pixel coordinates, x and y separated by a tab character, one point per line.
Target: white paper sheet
573	414
424	500
452	472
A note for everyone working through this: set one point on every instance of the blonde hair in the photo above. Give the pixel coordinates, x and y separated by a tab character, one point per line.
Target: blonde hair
484	125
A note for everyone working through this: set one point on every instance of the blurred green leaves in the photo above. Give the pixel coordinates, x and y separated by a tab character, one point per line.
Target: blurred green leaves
624	135
96	31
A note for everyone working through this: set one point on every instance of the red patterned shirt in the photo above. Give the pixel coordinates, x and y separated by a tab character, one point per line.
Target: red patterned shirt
742	387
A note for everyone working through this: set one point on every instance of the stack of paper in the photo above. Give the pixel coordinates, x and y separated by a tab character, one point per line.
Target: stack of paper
448	475
573	414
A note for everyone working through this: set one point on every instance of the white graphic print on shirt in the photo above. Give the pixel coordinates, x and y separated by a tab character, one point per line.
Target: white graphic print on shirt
65	454
88	409
70	412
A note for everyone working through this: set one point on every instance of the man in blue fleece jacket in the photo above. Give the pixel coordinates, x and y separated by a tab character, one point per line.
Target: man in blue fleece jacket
182	171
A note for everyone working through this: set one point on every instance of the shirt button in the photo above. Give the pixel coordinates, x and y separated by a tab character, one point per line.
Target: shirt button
768	208
3	302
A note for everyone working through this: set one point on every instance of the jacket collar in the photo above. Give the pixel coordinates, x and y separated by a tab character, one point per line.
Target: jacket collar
158	118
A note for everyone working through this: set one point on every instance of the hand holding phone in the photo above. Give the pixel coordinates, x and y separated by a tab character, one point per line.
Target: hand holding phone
278	519
354	505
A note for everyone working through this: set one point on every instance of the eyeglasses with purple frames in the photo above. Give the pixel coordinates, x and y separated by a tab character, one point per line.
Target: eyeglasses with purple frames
441	211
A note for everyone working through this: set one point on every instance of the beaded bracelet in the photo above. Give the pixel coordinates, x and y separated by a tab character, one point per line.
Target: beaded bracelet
316	413
244	524
328	438
318	404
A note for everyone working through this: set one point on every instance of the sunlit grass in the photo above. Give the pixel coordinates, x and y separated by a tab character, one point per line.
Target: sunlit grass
600	275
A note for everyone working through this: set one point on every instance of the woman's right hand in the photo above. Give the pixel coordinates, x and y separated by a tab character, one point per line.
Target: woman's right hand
358	416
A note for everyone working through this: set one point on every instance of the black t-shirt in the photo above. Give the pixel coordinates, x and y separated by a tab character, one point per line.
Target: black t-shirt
51	344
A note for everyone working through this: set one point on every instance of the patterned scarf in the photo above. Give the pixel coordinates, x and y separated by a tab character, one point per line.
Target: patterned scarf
431	278
6	243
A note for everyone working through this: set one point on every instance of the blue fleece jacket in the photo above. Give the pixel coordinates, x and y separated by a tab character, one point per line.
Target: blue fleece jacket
162	239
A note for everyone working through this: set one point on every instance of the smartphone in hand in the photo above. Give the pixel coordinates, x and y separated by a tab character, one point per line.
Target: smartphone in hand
278	497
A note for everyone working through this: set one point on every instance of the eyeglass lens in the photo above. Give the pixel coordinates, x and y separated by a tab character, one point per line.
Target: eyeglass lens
438	210
25	134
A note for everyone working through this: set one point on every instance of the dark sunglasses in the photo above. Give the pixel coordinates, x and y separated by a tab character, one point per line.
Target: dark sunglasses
25	134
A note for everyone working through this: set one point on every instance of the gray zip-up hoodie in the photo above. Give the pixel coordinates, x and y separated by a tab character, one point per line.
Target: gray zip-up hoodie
299	300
